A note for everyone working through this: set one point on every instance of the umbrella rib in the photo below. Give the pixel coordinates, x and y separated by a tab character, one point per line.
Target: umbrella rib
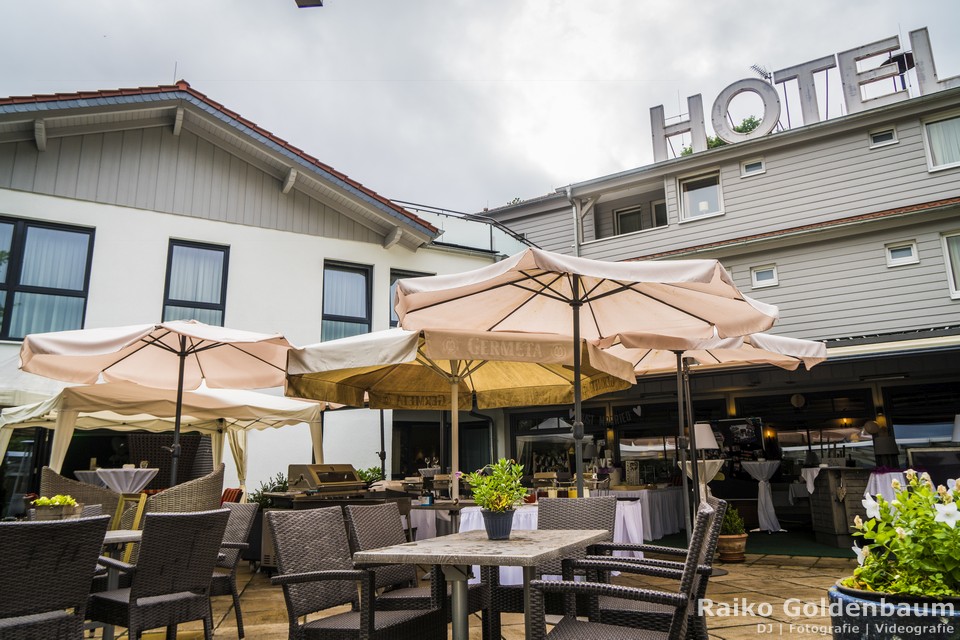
545	289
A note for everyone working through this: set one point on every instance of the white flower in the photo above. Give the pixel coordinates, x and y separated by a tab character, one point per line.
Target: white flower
858	522
895	484
873	509
861	553
947	513
951	483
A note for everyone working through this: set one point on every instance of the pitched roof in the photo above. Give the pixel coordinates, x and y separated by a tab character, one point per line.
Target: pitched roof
183	91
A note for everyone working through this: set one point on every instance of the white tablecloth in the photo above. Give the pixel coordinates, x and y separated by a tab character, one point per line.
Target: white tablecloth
762	472
628	527
425	520
881	483
810	476
662	509
89	477
126	480
707	470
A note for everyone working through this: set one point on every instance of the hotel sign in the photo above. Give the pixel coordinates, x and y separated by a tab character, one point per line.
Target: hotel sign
851	78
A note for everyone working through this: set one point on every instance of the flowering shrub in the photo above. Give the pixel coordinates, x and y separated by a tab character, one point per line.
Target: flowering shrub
912	543
497	486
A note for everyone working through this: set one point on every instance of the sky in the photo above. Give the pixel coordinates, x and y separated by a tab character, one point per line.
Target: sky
456	104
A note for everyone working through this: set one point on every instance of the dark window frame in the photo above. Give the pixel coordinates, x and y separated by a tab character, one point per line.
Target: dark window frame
176	302
399	274
367	272
11	286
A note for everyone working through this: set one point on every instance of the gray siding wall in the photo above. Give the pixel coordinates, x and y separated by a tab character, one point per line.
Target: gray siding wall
186	175
552	230
807	183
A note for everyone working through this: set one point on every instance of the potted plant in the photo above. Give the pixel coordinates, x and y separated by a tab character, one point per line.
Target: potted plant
497	491
732	541
909	560
58	507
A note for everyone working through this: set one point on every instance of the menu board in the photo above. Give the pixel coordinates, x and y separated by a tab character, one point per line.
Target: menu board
738	438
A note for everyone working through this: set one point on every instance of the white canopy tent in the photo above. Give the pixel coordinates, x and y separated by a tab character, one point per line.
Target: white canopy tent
126	406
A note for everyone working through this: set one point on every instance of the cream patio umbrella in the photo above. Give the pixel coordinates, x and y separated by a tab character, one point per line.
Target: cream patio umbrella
172	355
399	369
126	406
673	304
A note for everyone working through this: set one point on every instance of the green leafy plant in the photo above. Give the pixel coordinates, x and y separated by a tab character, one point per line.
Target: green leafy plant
370	474
276	483
912	543
496	487
732	524
55	501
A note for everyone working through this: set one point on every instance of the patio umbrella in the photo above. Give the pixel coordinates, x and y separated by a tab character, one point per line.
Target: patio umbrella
430	369
172	355
672	304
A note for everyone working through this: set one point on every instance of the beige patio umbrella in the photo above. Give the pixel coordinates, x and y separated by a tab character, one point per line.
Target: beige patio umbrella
172	355
672	304
431	369
126	406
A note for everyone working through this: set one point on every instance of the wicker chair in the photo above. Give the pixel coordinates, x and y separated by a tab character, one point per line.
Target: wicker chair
625	612
553	513
170	583
234	540
47	569
371	527
681	601
201	494
316	571
52	484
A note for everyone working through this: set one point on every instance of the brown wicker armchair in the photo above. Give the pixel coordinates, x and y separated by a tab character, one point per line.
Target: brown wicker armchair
201	494
375	526
170	583
234	540
47	570
680	602
553	513
52	483
316	572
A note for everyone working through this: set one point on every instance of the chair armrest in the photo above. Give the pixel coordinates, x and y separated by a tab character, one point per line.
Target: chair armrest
234	545
113	563
616	591
660	568
315	576
600	547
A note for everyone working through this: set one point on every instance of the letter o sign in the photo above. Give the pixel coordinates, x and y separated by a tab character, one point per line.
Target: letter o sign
771	110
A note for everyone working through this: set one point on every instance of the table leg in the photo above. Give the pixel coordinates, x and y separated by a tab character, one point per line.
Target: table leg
529	573
457	576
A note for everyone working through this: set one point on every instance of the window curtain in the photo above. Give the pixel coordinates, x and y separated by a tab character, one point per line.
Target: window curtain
944	138
196	275
953	255
344	295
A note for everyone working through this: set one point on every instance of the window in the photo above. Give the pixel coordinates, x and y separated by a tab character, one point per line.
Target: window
951	248
346	301
196	282
659	212
628	220
700	196
765	276
900	253
44	277
943	142
394	276
753	167
883	137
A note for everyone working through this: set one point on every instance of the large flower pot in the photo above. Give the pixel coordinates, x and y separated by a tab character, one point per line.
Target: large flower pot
497	523
730	548
874	615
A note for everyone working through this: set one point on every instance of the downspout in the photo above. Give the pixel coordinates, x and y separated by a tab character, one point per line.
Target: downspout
576	221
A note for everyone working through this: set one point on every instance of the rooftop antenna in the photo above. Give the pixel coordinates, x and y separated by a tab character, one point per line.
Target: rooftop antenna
761	71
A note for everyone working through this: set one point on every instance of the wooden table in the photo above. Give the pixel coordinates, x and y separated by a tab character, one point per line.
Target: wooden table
457	552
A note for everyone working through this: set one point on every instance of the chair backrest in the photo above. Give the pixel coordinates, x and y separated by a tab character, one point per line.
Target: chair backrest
48	565
239	524
90	510
312	540
374	526
178	552
201	494
575	513
696	556
52	484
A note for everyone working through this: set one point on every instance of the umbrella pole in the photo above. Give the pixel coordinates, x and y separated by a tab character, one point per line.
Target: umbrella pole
382	453
575	304
175	447
682	445
454	432
694	466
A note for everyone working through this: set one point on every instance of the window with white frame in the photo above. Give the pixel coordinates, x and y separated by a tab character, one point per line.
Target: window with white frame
44	277
951	250
700	196
901	253
196	286
883	137
943	142
752	167
765	276
346	300
396	275
628	220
